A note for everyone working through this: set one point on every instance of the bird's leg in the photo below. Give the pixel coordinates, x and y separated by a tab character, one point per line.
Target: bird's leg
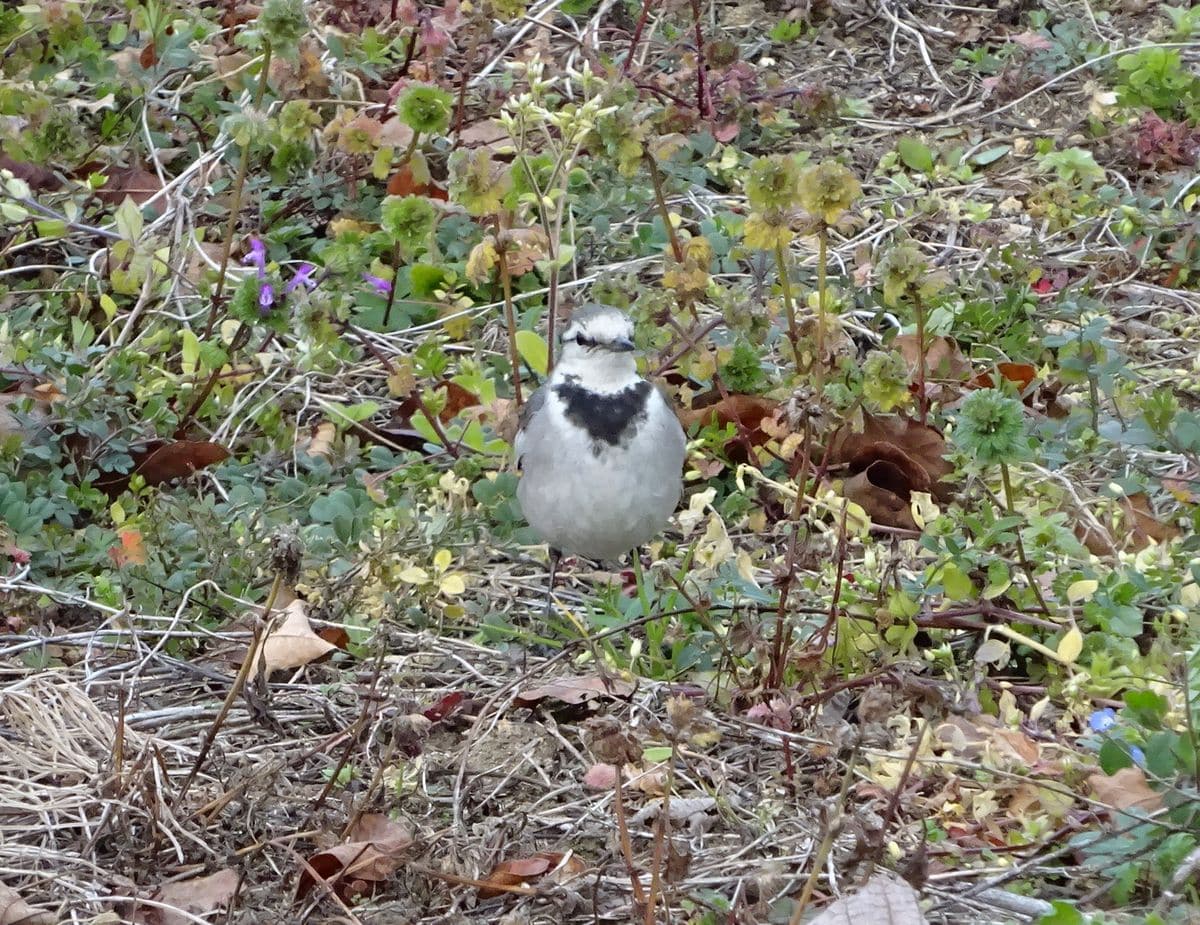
555	556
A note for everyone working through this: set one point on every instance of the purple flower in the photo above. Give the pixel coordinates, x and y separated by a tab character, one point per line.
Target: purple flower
1138	756
1103	720
303	278
266	298
257	256
382	286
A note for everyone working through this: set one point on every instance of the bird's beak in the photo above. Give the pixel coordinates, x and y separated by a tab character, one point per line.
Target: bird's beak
623	345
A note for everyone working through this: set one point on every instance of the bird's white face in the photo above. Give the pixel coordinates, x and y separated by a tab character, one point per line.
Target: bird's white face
597	349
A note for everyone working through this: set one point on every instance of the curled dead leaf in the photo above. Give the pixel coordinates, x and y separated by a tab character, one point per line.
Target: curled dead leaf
195	897
358	868
15	911
292	643
893	458
561	866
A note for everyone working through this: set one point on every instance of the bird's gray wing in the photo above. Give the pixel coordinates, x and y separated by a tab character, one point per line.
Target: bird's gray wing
525	418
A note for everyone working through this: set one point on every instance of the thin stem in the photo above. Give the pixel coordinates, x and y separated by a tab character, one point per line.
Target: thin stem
637	36
387	312
783	630
510	321
703	95
922	398
789	304
661	199
822	286
239	183
252	657
412	146
1012	511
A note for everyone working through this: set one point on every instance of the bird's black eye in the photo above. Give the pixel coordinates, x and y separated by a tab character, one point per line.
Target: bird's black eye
584	341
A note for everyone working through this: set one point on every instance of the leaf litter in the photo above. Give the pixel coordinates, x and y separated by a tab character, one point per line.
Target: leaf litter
96	727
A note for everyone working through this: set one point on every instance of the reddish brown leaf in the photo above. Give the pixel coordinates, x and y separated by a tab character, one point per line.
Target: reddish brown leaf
335	636
943	357
1142	524
907	444
178	460
148	57
524	871
134	182
401	183
161	461
444	707
130	551
370	855
1021	375
746	412
574	691
38	178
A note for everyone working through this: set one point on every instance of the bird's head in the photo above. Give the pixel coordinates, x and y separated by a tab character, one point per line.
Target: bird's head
598	345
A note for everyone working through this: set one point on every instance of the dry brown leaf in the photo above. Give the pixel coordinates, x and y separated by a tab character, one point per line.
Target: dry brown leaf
162	461
38	178
1146	527
748	411
943	357
293	642
138	184
1138	529
321	443
357	868
884	899
909	444
198	896
574	690
1127	789
486	134
524	871
15	911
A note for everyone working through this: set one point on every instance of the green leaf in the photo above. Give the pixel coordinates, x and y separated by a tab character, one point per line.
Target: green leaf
1064	914
991	155
915	154
957	585
657	753
533	350
1114	756
189	352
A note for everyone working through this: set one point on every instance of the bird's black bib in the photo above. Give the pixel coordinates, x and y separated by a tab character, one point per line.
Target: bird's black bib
608	418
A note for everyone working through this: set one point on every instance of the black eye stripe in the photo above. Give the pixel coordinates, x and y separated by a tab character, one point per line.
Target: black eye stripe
584	341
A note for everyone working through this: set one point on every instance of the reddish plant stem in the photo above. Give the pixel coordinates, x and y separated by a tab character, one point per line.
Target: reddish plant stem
703	94
637	36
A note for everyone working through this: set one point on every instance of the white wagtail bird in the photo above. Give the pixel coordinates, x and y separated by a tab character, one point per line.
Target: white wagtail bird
599	449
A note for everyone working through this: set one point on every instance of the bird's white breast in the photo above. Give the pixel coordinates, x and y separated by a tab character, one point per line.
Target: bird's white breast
592	497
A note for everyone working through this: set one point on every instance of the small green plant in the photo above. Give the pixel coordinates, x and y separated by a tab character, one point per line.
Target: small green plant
1156	78
1185	21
